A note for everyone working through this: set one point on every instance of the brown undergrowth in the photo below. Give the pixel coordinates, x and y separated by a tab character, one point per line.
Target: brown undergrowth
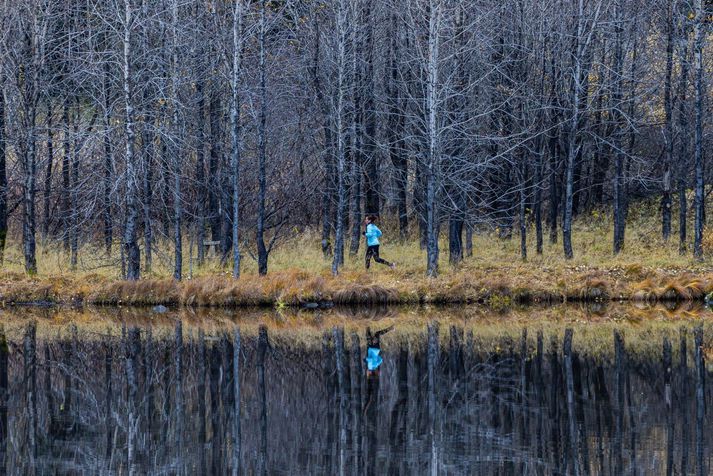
494	287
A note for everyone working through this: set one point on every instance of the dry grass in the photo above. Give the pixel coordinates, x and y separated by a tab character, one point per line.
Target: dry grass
648	269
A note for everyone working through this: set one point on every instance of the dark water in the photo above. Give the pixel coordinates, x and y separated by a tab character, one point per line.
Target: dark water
447	400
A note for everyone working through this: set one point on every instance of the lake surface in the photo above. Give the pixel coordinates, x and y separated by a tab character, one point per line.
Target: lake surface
461	391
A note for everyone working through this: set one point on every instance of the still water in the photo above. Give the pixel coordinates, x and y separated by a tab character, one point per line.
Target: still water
556	391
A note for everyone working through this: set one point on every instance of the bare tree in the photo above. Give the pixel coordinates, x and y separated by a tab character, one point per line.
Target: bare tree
130	243
237	52
701	19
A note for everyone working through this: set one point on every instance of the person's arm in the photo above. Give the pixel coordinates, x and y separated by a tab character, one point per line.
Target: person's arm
370	233
384	331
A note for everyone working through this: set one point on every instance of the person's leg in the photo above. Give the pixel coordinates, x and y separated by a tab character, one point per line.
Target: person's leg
369	253
378	258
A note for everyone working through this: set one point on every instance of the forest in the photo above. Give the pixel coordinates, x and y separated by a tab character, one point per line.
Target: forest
137	130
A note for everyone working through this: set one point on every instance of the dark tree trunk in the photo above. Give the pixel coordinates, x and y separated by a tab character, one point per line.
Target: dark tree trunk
46	192
700	93
455	238
108	168
3	179
372	182
356	199
74	194
28	202
468	239
600	161
66	176
397	144
147	149
202	189
262	156
554	187
539	239
615	111
683	138
216	152
668	106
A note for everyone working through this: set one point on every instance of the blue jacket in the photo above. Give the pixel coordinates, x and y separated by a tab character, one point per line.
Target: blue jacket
372	235
373	359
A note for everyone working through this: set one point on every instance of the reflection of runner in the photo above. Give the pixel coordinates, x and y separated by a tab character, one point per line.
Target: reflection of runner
373	362
373	350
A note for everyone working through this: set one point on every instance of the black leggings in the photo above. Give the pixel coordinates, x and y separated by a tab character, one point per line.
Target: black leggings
374	251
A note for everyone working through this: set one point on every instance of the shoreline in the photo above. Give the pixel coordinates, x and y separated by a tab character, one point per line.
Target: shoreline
489	288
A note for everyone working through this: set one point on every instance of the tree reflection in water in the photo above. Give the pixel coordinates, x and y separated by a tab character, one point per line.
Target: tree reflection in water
445	401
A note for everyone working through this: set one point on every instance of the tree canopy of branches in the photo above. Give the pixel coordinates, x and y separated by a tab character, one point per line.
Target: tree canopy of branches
237	123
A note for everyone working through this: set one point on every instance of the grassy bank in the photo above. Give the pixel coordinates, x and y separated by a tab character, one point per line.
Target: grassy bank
648	269
496	286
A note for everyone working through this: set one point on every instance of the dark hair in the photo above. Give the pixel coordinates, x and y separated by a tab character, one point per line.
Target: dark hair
372	217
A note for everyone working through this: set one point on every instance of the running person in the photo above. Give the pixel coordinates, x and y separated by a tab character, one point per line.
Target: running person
373	234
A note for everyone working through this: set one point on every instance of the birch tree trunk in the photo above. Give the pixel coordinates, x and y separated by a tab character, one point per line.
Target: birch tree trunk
433	164
235	130
130	244
341	25
176	155
3	167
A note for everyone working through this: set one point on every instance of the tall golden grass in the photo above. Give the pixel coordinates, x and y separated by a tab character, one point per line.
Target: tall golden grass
647	269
